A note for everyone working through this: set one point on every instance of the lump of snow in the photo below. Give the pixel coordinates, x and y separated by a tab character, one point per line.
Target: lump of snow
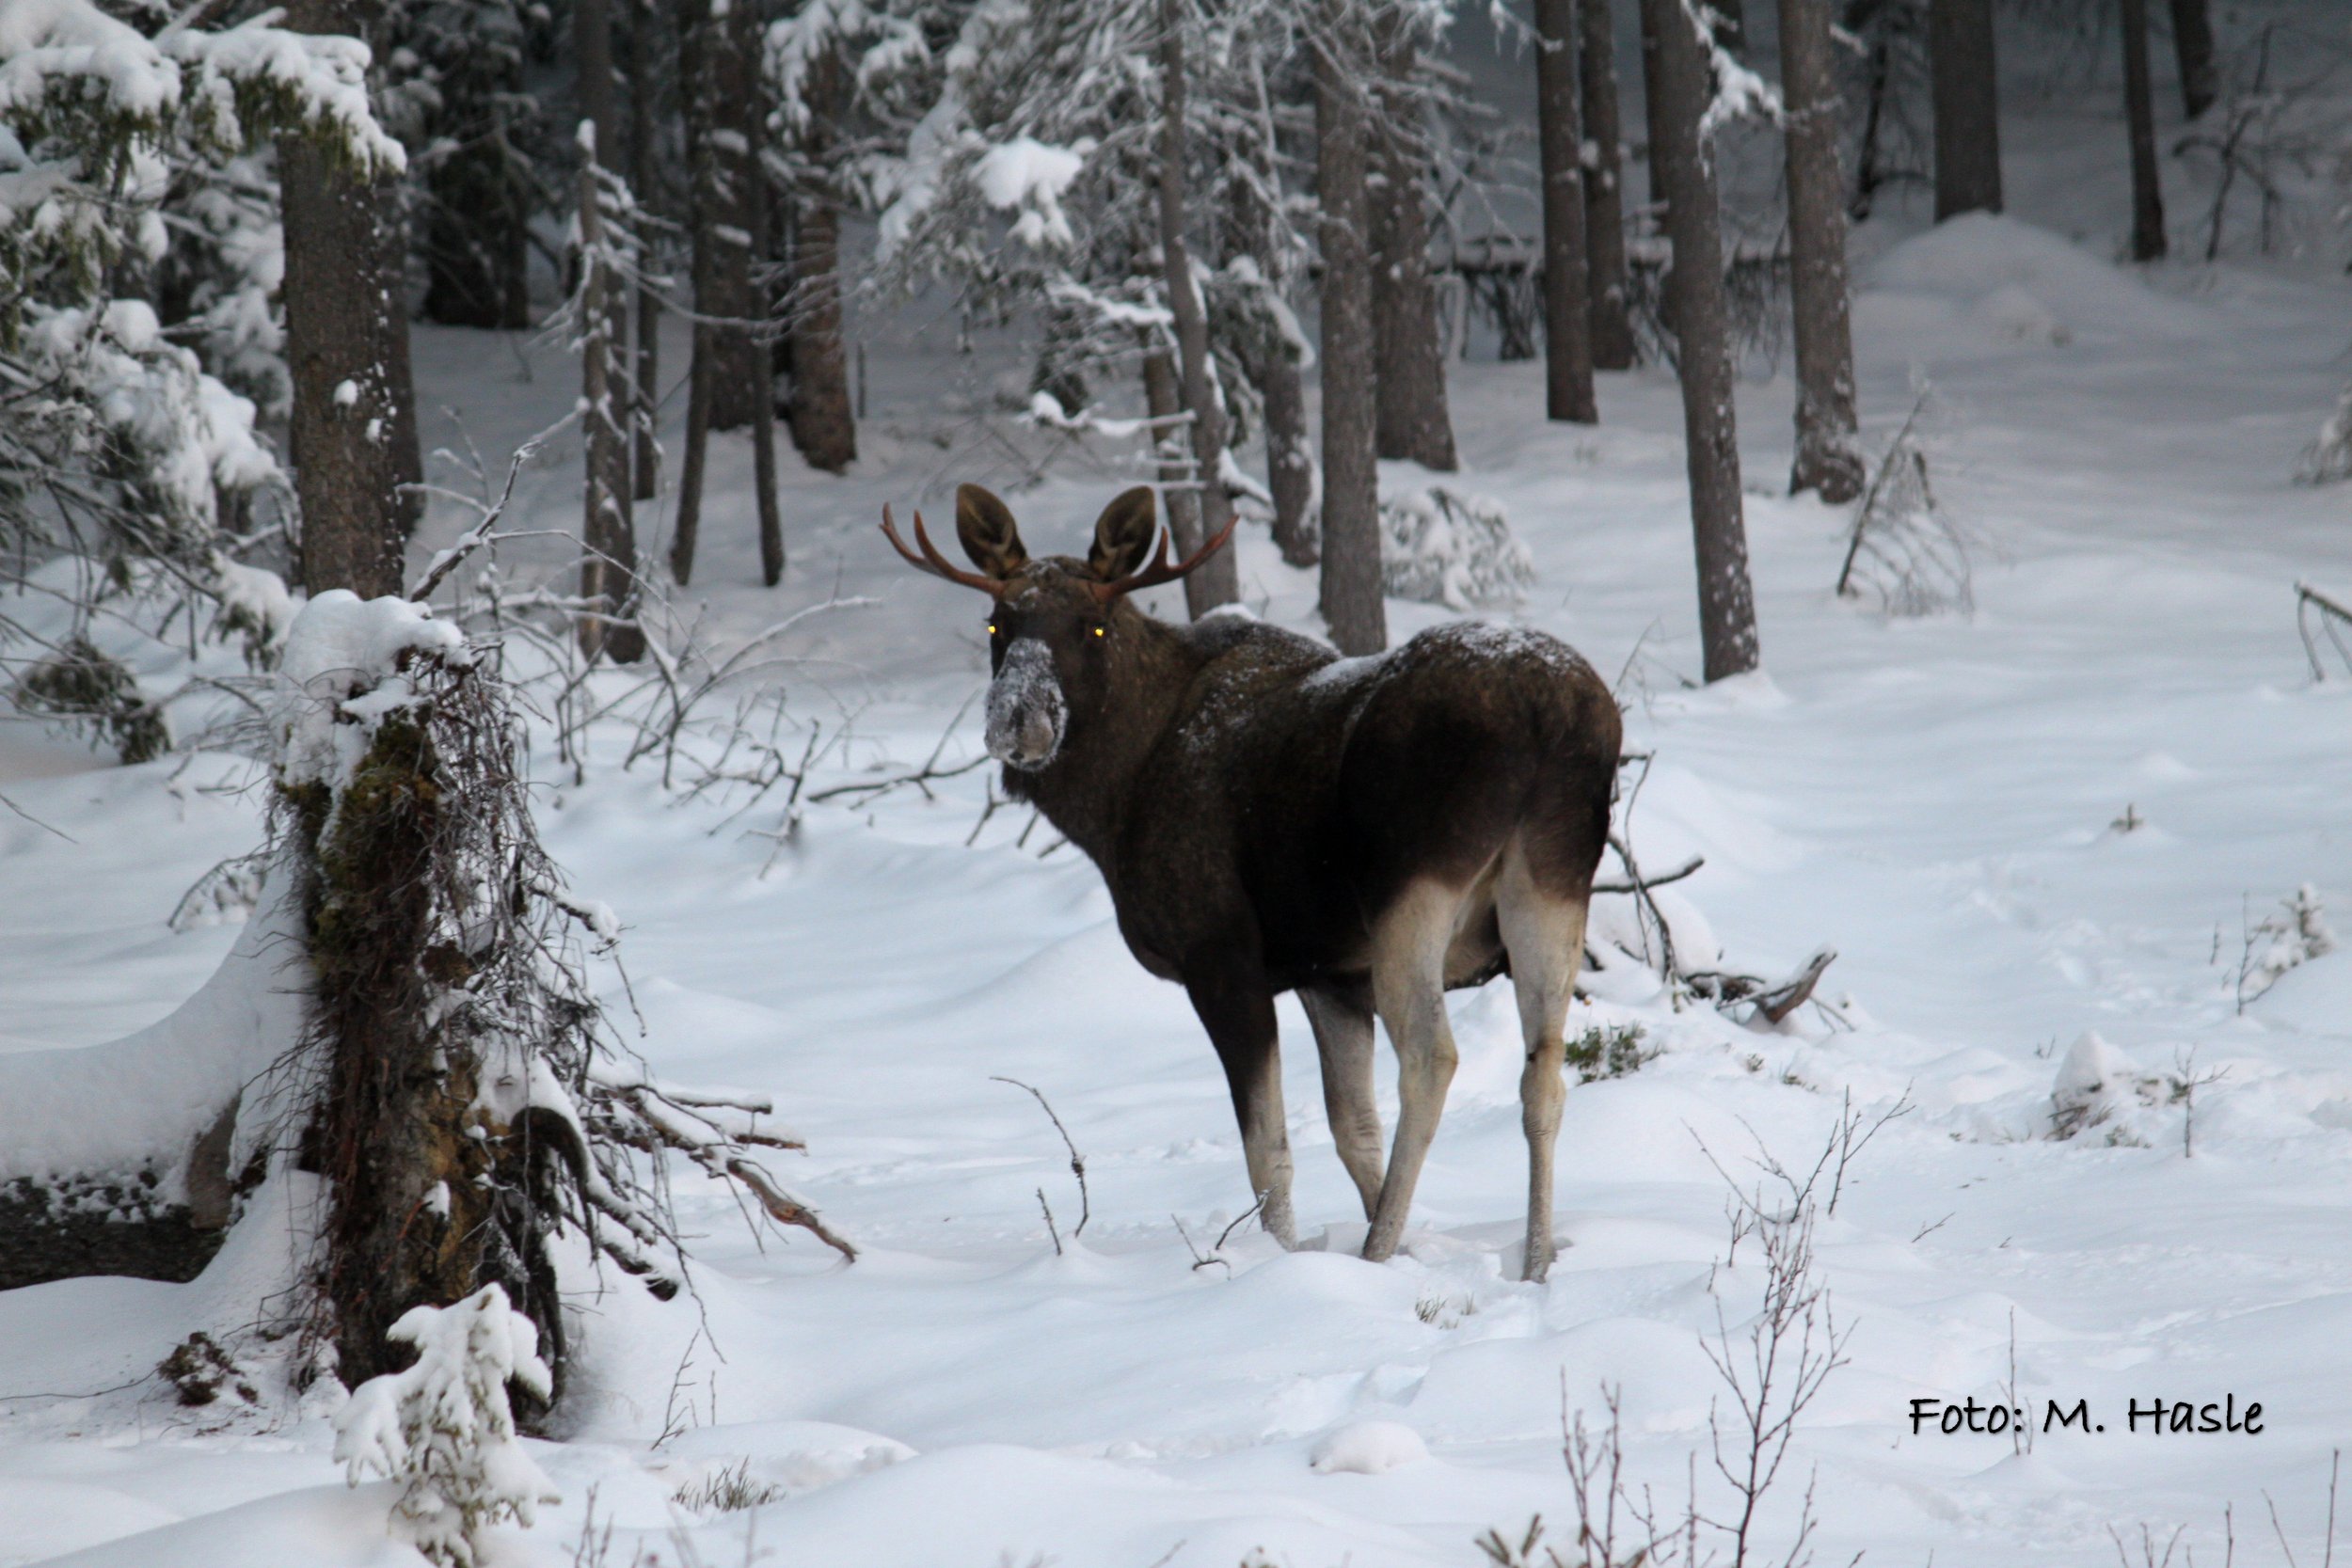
2015	313
2023	281
2095	1080
1444	547
1025	173
1368	1447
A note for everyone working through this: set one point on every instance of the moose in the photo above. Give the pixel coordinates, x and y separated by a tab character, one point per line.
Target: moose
1269	817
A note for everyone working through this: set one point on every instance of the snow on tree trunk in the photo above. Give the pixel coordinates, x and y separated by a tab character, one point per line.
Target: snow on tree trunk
1604	189
645	147
1696	311
1966	101
723	129
444	1428
1412	420
1217	582
1351	597
1827	459
1559	135
608	567
354	428
2140	117
1163	400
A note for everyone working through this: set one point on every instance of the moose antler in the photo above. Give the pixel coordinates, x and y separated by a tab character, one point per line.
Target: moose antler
932	561
1160	571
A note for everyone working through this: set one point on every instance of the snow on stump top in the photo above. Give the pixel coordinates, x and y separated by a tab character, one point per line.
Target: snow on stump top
344	669
443	1426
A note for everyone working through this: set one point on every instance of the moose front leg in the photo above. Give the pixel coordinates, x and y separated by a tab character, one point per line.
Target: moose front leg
1239	1016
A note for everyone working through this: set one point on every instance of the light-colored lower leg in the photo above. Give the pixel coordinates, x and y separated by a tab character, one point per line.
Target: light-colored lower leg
1545	936
1266	1144
1343	1039
1408	991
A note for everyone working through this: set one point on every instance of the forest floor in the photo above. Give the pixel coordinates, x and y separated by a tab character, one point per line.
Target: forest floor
2060	813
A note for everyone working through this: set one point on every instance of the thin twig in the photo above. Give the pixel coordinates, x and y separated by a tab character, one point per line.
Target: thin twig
1077	1160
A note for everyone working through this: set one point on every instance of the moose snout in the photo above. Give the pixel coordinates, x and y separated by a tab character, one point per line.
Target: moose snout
1025	707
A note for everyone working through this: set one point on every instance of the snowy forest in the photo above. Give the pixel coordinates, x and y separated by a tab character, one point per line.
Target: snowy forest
1175	784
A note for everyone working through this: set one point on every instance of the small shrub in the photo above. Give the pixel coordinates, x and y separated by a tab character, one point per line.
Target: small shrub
199	1369
729	1491
94	696
1442	547
1610	1051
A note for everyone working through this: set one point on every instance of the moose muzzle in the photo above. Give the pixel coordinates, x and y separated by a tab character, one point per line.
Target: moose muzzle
1025	707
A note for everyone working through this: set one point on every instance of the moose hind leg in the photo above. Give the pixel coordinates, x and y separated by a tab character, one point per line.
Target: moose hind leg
1241	1024
1544	933
1409	990
1342	1016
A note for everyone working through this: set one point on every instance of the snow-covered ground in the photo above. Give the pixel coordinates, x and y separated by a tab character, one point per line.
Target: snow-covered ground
2056	816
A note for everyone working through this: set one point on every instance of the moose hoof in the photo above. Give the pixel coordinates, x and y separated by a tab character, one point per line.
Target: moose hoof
1279	1225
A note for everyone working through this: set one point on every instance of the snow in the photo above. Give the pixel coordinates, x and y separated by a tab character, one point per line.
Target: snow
1025	175
342	661
1368	1448
1938	798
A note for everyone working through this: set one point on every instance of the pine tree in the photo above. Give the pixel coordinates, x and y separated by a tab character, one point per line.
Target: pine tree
1412	417
1352	602
1604	188
1827	458
1685	83
1966	99
1559	135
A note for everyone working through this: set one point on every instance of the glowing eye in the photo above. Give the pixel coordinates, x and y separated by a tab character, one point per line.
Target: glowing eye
991	628
1100	632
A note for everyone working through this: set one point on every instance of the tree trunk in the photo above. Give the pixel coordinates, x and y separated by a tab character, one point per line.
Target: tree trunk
1290	455
2192	40
424	1209
1827	458
764	413
1218	580
354	425
1694	292
1604	189
2139	111
608	567
1272	353
723	127
1163	400
690	482
1966	108
1560	132
823	426
1352	602
1412	420
645	126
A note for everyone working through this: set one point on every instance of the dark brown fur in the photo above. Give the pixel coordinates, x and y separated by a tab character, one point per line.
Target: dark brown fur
1256	804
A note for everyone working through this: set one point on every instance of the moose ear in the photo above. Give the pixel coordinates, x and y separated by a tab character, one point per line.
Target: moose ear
1122	535
990	536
